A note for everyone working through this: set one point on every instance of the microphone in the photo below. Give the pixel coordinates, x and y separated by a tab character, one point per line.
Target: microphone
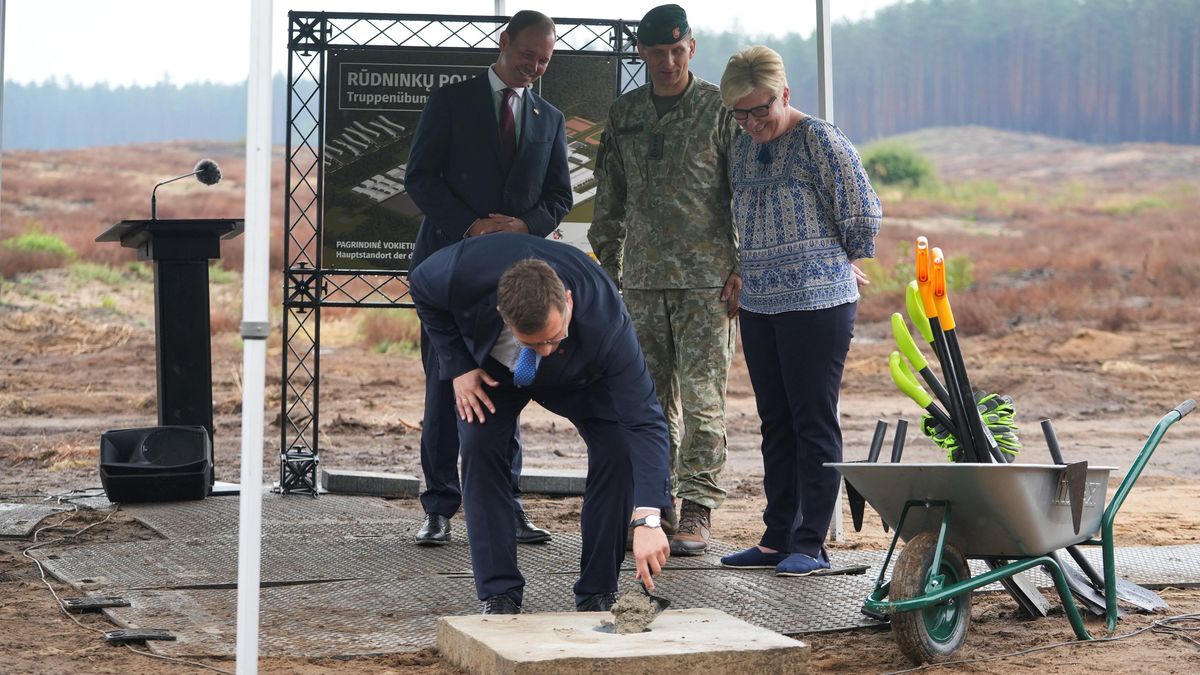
206	172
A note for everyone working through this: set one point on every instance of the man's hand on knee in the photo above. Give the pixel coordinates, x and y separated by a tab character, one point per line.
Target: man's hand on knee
470	397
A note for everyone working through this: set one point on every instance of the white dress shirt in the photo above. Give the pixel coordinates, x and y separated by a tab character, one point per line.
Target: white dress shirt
516	102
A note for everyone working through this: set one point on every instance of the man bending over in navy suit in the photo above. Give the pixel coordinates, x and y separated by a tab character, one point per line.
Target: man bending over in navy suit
513	319
489	155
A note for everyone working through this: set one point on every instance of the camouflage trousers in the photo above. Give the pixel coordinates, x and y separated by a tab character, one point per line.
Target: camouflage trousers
689	341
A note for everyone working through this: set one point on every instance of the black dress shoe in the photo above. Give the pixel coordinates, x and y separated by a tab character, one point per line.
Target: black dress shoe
527	532
435	531
600	602
500	604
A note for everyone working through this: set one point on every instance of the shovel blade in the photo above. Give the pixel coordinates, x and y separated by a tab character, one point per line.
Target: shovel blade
858	505
1023	590
1127	591
1139	596
1091	599
1076	486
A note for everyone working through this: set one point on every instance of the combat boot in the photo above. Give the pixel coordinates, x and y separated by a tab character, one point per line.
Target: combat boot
691	538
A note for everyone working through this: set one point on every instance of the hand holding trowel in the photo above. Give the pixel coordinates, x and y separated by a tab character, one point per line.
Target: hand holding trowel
634	611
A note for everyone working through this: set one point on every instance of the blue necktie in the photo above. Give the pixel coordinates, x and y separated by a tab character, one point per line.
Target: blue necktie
526	368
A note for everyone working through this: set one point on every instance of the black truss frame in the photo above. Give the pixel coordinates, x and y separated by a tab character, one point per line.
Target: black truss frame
307	285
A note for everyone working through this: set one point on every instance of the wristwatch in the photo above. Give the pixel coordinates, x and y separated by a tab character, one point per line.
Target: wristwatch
652	520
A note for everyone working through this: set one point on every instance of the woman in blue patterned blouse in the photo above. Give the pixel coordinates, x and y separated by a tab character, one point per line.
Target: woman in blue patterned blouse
805	210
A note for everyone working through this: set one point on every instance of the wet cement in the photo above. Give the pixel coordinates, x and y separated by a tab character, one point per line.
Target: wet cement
633	613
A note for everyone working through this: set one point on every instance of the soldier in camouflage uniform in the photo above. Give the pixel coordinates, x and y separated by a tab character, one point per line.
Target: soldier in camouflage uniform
664	232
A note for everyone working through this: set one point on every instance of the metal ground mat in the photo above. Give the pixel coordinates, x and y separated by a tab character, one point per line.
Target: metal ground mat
391	615
217	516
20	520
341	576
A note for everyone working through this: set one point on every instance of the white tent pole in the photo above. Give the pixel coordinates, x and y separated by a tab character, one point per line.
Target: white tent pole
825	112
3	10
824	63
255	325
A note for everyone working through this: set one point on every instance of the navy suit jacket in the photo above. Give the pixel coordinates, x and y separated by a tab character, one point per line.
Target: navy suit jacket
455	171
598	371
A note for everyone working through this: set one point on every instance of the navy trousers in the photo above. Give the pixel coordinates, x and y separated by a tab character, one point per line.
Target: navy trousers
795	361
439	444
608	499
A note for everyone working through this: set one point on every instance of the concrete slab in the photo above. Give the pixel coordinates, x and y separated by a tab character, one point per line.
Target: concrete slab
565	482
679	641
374	483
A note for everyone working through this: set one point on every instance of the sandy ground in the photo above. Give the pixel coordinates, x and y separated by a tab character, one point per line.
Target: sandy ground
74	371
1103	341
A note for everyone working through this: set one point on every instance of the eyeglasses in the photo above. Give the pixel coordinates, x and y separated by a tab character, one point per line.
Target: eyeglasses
740	114
553	342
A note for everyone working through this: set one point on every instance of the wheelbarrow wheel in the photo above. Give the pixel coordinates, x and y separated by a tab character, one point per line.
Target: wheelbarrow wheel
935	633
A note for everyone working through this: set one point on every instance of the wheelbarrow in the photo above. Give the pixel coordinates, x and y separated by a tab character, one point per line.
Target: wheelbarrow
947	513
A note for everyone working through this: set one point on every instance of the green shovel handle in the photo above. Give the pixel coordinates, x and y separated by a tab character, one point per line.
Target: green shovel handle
916	312
906	382
905	342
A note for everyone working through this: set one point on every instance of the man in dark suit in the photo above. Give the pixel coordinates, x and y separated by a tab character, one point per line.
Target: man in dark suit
489	155
514	319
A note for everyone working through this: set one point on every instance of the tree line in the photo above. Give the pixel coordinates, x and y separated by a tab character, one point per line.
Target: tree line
54	115
1091	70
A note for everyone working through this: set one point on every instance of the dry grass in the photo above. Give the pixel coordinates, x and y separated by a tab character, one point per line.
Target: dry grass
13	263
1079	262
385	330
225	318
55	456
1107	249
77	194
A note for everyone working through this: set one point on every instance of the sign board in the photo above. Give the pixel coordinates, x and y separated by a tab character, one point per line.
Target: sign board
374	100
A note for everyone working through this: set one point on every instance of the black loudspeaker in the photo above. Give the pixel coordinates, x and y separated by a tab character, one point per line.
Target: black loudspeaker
156	464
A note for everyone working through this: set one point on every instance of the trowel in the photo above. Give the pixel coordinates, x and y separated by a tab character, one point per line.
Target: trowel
659	603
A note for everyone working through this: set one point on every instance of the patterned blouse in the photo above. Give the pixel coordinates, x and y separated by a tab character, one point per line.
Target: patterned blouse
804	208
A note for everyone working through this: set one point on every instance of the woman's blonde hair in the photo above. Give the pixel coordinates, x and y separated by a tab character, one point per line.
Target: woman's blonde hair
756	67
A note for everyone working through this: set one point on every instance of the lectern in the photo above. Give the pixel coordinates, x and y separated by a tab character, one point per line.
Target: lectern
180	250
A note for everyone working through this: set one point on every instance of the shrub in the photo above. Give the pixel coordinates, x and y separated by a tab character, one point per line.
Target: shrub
39	242
86	271
894	277
891	163
139	271
885	279
219	275
385	330
32	251
960	273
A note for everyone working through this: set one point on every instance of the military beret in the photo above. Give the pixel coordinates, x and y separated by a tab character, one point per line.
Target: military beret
663	25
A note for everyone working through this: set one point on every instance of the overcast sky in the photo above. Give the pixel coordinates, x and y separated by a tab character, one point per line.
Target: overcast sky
125	42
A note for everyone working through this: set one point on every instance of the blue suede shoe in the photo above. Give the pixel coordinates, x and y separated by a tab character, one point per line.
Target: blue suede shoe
800	565
753	559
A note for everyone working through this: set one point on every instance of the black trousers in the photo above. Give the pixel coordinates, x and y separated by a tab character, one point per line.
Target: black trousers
795	361
439	444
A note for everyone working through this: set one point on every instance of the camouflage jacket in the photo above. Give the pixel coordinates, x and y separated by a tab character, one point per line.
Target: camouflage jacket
662	212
